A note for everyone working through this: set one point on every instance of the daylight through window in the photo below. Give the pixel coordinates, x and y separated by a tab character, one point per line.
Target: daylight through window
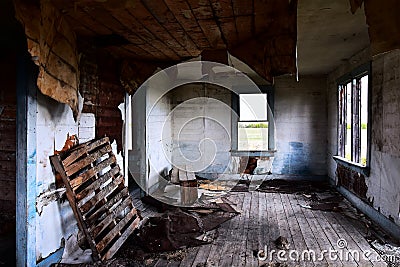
253	122
353	119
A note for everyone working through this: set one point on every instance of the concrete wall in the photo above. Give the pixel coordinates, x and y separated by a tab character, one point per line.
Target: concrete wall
158	130
201	127
383	183
300	126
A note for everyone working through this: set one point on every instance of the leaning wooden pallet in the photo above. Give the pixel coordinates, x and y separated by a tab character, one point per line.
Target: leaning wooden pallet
99	199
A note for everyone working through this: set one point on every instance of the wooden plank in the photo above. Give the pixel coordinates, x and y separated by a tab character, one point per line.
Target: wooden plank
298	239
189	193
82	178
321	238
93	217
79	151
97	229
184	16
96	184
353	238
308	235
115	231
56	161
273	229
229	248
238	233
333	237
252	234
86	206
114	248
189	258
75	167
112	195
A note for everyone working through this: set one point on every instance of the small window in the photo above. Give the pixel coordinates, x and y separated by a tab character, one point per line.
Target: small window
253	122
353	120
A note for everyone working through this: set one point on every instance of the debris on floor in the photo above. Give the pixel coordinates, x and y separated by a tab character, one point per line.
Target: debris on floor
182	227
213	186
330	203
282	243
242	186
292	186
389	253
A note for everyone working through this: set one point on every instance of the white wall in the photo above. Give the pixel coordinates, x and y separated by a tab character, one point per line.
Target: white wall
55	221
158	130
383	182
201	127
300	125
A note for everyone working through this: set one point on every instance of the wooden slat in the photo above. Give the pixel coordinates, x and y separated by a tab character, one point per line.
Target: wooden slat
237	232
252	236
82	178
107	220
298	241
305	229
56	161
121	240
93	217
110	198
75	167
85	207
115	231
80	151
96	184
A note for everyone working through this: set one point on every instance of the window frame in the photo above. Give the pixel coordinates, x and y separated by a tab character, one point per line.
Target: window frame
264	89
357	73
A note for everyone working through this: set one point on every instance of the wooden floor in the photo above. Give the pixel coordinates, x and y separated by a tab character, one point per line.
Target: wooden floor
266	216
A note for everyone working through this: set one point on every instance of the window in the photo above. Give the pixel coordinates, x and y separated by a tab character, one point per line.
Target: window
253	122
353	122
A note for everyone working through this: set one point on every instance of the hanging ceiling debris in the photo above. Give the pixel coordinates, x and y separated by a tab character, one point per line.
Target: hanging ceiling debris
52	45
383	30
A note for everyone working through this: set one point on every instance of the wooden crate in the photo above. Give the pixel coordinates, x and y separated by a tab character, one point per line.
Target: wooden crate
99	199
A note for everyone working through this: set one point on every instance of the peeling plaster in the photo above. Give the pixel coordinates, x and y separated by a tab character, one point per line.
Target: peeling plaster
47	197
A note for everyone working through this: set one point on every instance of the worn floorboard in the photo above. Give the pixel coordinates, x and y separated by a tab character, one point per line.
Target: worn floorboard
266	216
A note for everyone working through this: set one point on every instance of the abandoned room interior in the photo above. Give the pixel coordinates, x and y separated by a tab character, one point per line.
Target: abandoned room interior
200	133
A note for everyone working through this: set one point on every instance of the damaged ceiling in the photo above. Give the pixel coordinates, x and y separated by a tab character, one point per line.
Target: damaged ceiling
265	35
260	33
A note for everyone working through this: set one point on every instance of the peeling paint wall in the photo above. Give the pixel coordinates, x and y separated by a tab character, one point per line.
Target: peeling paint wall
54	218
300	125
55	221
383	183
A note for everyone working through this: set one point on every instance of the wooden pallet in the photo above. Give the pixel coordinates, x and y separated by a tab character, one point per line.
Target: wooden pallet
99	199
